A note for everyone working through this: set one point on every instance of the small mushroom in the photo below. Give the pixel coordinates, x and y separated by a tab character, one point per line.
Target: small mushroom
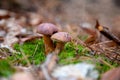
47	29
61	38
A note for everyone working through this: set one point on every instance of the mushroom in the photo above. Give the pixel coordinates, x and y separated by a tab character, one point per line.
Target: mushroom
61	38
47	29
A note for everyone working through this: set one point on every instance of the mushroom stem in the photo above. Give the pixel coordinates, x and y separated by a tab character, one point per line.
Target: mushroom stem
59	47
49	46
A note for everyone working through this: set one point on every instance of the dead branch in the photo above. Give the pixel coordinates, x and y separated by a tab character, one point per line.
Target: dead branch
105	31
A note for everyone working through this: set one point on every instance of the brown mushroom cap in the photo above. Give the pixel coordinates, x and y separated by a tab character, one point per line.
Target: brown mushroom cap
47	29
61	37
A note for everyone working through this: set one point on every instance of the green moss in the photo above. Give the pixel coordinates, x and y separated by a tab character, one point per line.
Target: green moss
72	53
76	53
5	68
34	51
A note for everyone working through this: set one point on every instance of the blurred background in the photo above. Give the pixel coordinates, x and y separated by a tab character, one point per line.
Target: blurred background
69	11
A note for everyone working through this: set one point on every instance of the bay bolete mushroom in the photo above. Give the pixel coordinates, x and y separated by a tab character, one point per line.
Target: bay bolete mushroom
47	29
61	38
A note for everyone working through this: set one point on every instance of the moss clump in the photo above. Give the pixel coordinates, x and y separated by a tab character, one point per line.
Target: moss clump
5	68
72	53
34	51
76	53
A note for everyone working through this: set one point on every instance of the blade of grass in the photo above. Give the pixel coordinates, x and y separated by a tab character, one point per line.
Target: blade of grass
25	57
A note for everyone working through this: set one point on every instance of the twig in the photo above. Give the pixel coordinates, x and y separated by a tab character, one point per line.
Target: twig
48	66
103	30
45	72
51	61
